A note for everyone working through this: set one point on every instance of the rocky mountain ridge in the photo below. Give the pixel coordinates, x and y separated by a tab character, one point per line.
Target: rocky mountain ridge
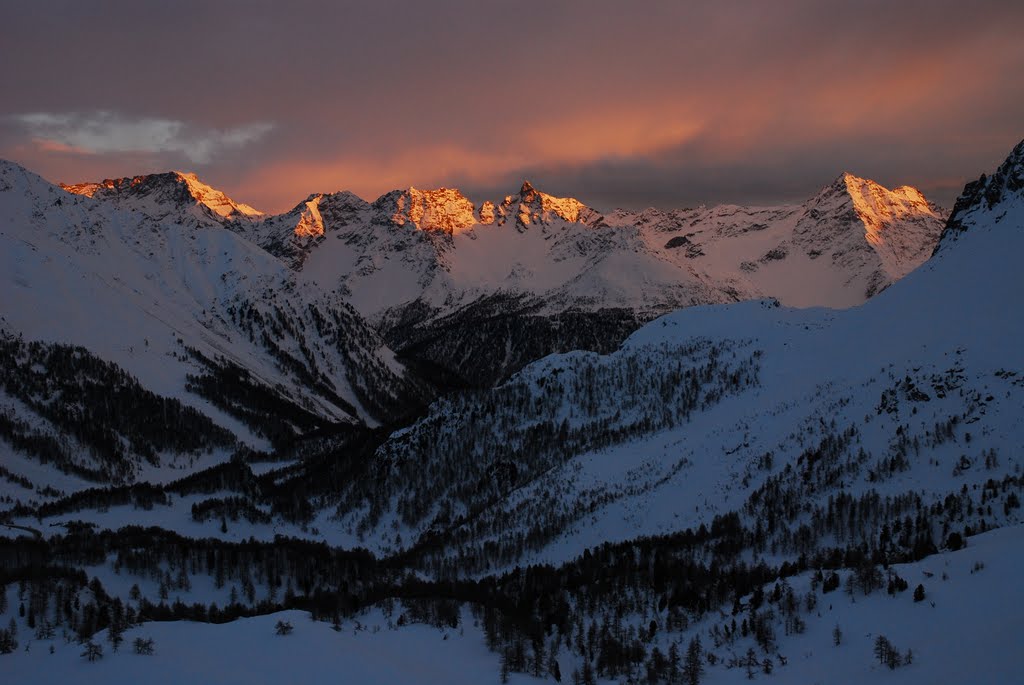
427	267
167	191
1004	186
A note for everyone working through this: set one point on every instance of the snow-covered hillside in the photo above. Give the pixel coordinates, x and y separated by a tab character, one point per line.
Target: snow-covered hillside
711	409
193	311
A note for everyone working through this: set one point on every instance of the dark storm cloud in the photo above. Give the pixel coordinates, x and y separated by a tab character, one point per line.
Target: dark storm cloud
640	103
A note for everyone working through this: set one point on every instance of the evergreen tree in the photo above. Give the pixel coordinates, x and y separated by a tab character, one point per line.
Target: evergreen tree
7	642
504	666
751	663
693	666
674	662
554	670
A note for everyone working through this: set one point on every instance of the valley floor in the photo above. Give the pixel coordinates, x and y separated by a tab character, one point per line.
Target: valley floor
968	629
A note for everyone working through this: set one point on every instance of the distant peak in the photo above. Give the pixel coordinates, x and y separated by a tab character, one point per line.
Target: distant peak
532	206
341	197
846	181
442	210
852	213
168	187
865	193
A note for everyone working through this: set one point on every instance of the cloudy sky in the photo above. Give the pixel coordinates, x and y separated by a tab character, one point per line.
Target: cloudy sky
636	103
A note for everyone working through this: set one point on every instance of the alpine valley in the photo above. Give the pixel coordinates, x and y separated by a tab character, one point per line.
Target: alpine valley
512	440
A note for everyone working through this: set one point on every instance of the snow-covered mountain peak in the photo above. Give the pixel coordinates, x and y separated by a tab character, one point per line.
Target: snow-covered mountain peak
877	205
163	195
859	221
533	207
1001	191
14	177
291	236
444	210
320	211
215	199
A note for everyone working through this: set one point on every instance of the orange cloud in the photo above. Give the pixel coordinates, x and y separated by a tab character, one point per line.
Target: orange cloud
679	95
49	145
592	136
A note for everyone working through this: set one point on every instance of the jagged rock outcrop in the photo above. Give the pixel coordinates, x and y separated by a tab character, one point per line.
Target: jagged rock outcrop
531	207
1006	183
443	210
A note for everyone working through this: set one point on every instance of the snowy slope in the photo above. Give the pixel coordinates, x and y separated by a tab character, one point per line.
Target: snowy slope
169	294
908	393
848	242
247	652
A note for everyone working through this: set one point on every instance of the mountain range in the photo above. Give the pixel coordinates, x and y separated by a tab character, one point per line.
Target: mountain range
440	277
582	441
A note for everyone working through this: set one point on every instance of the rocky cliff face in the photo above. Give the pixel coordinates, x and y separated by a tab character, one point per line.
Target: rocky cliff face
1004	186
443	210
